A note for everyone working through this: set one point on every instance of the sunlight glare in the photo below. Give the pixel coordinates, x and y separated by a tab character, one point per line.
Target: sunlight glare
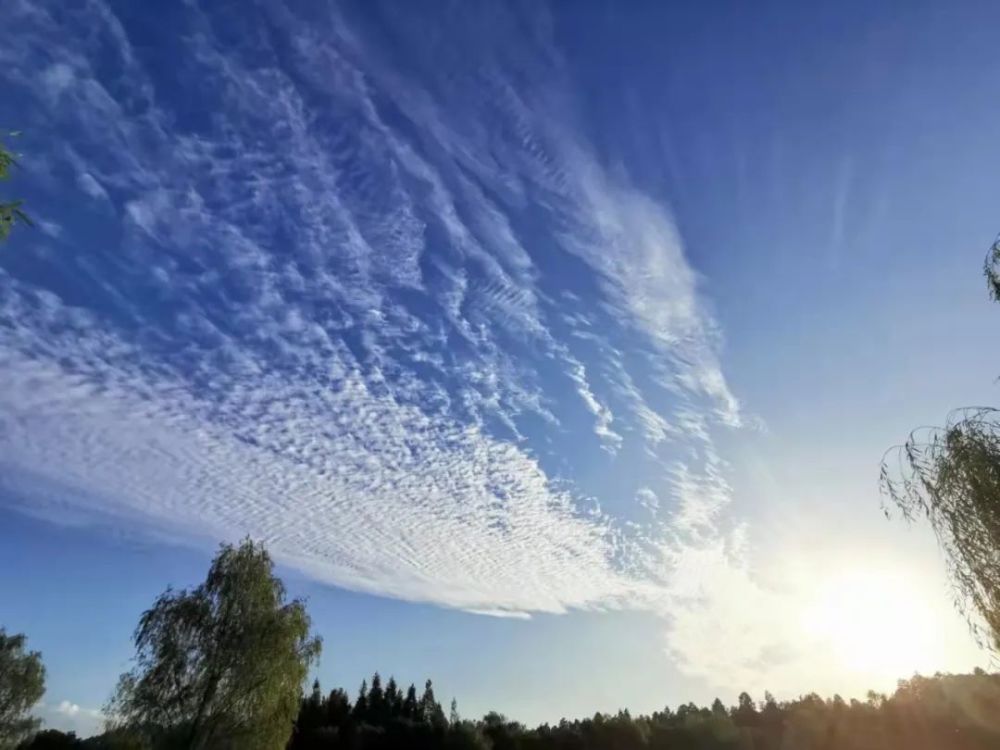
874	623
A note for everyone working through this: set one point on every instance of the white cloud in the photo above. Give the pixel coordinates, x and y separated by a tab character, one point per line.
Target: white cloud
72	709
57	78
50	228
91	186
647	499
363	492
68	716
337	320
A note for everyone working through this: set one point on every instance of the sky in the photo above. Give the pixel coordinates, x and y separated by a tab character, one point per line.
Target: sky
551	348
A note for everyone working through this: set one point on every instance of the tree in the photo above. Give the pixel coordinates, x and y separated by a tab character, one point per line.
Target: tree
338	708
22	684
376	701
221	665
950	476
312	713
430	710
10	211
361	704
410	705
393	698
52	739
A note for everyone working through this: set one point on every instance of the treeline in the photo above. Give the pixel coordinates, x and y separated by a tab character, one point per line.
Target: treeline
945	712
221	667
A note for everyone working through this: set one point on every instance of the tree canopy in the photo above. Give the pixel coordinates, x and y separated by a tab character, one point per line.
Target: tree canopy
944	712
222	665
22	684
957	712
950	476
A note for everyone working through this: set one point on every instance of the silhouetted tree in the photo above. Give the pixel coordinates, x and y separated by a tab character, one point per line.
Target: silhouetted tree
393	698
950	476
410	703
338	708
52	739
377	713
312	714
430	710
361	712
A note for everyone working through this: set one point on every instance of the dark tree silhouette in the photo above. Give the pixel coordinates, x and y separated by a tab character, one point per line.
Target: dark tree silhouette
950	476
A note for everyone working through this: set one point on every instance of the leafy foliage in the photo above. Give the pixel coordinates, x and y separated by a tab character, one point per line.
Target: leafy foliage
22	684
220	666
950	476
991	269
10	211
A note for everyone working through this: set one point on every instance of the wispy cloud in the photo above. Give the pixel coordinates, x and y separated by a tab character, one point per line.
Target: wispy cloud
376	315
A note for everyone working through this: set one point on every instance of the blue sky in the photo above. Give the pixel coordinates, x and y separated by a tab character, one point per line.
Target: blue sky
551	348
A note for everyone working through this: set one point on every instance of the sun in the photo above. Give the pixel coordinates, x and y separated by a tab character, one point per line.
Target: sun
874	623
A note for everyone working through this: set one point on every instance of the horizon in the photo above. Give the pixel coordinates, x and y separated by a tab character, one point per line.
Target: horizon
515	331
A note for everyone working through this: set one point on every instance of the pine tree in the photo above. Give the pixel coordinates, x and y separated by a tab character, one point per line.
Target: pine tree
361	710
311	714
745	714
393	698
376	702
430	710
337	709
410	705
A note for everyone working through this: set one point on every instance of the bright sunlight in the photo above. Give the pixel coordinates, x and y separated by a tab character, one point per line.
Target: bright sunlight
876	623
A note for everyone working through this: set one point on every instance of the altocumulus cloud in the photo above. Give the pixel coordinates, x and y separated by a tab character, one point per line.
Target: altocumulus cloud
374	312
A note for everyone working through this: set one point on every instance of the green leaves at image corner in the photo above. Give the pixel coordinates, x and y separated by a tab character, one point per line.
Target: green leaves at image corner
11	212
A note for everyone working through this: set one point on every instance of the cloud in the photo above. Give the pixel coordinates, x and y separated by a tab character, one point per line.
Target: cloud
90	186
808	627
57	78
384	317
68	716
50	228
647	499
66	708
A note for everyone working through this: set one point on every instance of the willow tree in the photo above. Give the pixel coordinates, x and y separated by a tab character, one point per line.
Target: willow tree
950	476
222	665
22	684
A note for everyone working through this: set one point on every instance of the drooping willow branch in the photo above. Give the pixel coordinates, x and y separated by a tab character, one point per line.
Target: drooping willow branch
991	269
950	475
